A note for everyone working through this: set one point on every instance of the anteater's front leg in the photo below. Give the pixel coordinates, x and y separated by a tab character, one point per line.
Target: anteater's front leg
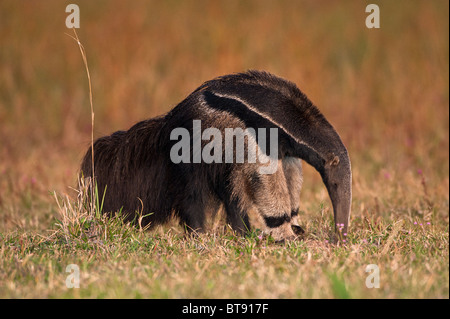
292	168
271	198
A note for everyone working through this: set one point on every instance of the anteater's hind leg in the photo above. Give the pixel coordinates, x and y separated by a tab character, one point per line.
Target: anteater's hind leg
292	168
237	217
191	211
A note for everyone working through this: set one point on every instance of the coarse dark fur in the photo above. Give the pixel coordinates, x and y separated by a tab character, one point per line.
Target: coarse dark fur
139	176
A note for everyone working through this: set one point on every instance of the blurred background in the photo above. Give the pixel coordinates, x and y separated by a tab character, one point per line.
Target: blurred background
385	90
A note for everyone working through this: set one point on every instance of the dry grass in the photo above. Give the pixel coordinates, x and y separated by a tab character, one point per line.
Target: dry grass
385	91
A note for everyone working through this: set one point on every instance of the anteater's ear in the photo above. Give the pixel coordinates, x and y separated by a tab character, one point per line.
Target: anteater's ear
334	160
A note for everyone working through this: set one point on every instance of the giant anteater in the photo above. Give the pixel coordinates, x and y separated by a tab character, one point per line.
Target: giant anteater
138	169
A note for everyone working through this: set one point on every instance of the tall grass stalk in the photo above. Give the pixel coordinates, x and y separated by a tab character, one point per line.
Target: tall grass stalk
83	55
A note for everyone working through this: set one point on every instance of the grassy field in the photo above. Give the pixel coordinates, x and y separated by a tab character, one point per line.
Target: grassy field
385	91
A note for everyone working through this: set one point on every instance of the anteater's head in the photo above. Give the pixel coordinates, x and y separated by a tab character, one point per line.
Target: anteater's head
337	177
